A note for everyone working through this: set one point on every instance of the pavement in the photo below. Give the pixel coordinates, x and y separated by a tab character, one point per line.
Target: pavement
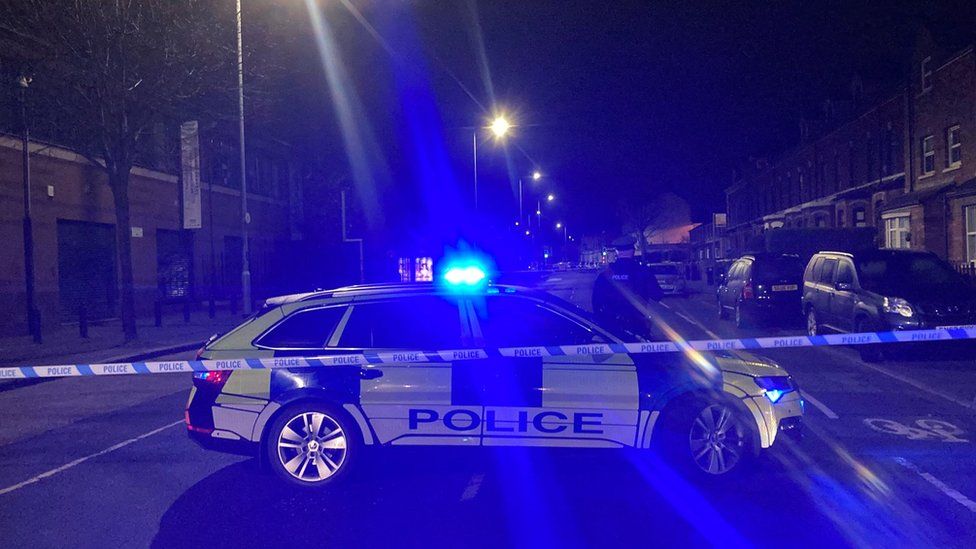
105	342
888	459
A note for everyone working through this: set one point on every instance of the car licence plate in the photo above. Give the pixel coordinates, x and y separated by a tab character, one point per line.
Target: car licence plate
784	287
960	327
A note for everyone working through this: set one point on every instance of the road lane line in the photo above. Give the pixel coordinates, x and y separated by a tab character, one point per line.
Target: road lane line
473	486
956	495
819	405
904	379
696	323
81	460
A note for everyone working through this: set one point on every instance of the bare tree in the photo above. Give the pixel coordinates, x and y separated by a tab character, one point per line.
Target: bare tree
106	71
646	212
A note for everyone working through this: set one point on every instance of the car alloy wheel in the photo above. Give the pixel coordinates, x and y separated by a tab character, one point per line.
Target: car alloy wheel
717	440
812	327
311	446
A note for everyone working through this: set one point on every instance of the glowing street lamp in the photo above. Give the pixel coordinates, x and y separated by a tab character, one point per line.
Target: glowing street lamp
536	175
550	197
499	127
559	225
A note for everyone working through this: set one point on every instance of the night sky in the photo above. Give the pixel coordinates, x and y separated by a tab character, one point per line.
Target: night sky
609	97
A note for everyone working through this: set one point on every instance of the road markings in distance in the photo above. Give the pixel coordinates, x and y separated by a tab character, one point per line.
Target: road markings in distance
81	460
819	405
956	495
473	486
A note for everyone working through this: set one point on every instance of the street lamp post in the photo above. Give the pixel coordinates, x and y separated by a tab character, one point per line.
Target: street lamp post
33	318
245	215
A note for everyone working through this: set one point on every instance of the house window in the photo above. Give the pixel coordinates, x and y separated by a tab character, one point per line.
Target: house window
926	74
860	217
928	155
896	232
971	234
953	147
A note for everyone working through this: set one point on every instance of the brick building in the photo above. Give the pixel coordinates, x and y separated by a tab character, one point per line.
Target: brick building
74	232
938	211
841	179
900	167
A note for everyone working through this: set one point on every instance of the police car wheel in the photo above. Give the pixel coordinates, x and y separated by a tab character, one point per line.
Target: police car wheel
710	438
312	444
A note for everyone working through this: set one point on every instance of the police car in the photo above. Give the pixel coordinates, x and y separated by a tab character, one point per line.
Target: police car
563	381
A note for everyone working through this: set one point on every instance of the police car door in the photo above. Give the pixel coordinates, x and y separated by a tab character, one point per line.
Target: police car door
539	400
410	402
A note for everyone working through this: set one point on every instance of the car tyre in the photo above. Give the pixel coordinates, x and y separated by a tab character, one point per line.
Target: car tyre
813	326
869	352
709	438
313	444
740	319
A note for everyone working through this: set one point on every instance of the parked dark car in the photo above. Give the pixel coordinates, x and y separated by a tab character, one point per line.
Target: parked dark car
761	287
884	290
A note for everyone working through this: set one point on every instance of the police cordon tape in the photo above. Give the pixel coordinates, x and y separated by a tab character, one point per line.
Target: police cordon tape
387	357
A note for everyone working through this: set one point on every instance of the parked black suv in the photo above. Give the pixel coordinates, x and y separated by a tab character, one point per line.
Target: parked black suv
884	290
761	287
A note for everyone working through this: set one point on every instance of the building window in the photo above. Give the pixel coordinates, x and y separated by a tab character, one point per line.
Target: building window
926	74
971	234
953	147
897	230
860	217
928	155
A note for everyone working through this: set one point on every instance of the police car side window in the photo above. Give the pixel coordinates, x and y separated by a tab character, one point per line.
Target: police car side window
424	322
514	322
309	329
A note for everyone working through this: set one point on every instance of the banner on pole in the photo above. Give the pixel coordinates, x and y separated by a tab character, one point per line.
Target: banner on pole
190	163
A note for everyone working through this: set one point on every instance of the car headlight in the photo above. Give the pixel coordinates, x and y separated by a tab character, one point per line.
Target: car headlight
897	305
774	387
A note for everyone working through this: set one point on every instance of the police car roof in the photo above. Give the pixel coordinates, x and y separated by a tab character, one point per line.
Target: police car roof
390	288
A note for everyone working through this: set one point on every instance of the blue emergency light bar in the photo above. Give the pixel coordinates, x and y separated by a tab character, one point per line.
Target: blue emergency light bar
464	276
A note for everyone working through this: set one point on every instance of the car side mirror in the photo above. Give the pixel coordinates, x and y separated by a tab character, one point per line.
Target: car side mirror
844	286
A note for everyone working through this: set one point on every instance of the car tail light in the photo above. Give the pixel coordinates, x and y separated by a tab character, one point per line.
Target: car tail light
213	378
747	292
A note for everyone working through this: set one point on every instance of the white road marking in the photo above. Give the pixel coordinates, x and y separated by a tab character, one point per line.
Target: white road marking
473	486
696	323
956	495
904	379
819	405
81	460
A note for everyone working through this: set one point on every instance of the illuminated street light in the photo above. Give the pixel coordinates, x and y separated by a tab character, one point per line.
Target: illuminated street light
559	225
500	126
536	175
516	223
551	197
527	232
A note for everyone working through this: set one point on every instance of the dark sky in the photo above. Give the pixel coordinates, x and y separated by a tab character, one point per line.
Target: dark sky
612	96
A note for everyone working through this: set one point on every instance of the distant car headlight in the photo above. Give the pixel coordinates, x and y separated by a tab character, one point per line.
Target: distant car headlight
775	387
897	305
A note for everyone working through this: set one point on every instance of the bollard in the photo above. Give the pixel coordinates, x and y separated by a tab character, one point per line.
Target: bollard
83	322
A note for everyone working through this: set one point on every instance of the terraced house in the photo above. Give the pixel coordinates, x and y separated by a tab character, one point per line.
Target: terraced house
905	165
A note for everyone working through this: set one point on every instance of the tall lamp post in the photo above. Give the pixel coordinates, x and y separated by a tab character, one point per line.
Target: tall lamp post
33	317
245	215
536	175
499	127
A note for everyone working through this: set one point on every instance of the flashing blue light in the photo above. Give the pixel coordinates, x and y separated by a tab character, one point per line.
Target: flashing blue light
775	394
464	276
